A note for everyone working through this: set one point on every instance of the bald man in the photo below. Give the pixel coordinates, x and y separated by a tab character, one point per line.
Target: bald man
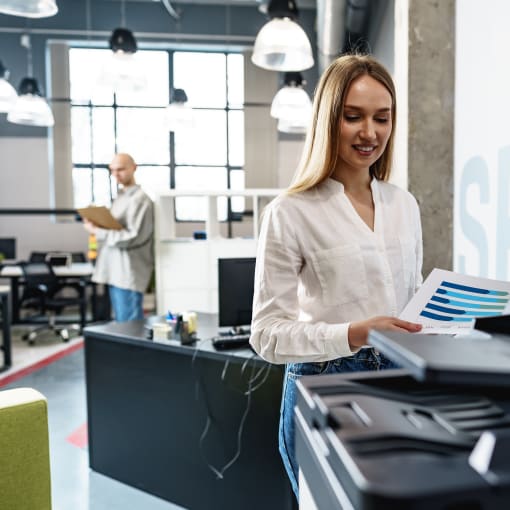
126	259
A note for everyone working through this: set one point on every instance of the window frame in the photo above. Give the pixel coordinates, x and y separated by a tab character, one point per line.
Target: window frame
231	216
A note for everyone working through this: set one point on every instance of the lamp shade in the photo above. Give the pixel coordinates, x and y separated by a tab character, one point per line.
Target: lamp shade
179	115
291	103
7	91
30	108
122	40
282	45
123	71
29	8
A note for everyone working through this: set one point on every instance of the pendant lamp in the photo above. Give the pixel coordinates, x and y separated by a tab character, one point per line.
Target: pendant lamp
281	44
30	107
179	115
7	91
292	105
123	72
29	8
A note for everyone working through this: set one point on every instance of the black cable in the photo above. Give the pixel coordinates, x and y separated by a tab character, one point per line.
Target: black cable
224	373
219	472
268	370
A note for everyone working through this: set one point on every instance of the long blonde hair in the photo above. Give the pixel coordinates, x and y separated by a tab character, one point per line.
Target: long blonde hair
320	152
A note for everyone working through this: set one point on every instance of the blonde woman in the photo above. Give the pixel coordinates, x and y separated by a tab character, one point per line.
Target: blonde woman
340	252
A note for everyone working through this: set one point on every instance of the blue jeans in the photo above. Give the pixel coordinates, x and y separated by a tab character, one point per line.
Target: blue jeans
127	304
365	359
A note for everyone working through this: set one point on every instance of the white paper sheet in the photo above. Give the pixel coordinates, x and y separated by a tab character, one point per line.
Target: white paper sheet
448	302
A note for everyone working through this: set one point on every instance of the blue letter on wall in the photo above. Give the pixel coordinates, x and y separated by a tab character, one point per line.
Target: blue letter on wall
475	172
503	220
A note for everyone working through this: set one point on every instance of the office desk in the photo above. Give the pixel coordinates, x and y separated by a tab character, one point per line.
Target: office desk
6	327
77	270
145	422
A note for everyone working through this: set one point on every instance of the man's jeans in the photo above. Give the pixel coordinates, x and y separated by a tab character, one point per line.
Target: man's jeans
365	359
127	304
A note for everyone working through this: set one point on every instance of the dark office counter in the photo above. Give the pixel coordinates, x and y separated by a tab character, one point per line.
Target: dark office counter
148	406
6	328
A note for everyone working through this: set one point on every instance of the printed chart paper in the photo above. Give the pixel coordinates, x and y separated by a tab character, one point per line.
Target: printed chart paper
449	302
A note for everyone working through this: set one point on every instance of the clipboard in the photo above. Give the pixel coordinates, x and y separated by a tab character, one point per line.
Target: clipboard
101	216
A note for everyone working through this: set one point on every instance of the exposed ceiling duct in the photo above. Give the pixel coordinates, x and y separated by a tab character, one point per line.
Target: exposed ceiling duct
330	30
342	25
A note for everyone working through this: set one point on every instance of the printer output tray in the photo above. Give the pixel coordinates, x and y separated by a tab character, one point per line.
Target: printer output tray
382	440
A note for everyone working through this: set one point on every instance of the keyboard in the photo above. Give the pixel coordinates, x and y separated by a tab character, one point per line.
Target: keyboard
225	342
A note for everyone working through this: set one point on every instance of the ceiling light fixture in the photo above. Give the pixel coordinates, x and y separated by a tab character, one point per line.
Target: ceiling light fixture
30	107
179	115
29	8
281	44
7	91
292	105
123	72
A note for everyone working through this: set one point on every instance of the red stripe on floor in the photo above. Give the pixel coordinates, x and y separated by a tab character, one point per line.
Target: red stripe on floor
9	378
79	437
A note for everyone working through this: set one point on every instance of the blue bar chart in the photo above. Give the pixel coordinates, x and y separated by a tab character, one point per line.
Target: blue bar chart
462	303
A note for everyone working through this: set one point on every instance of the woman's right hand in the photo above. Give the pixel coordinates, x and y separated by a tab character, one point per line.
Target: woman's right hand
358	331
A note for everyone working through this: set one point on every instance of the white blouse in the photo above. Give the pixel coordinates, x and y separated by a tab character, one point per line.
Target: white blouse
320	267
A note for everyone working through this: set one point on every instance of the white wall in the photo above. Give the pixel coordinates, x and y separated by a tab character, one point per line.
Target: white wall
24	183
289	154
482	138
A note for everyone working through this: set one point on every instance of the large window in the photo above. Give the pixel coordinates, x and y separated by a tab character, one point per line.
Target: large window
208	156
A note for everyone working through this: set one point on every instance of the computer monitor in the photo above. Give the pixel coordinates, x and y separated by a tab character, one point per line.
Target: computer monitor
235	291
7	248
58	259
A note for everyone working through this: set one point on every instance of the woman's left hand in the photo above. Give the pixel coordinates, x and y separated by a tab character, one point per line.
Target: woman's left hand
358	331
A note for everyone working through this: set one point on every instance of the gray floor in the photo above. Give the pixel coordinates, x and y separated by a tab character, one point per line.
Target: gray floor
74	485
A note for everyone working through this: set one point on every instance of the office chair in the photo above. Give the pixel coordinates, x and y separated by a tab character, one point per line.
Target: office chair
78	256
37	256
42	293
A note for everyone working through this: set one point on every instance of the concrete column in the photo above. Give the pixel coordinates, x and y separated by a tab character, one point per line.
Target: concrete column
261	136
430	90
59	137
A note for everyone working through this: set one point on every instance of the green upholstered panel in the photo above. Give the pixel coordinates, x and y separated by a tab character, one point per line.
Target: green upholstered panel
24	451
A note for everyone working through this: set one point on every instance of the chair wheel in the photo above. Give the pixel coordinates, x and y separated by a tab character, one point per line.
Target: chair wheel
25	336
31	342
